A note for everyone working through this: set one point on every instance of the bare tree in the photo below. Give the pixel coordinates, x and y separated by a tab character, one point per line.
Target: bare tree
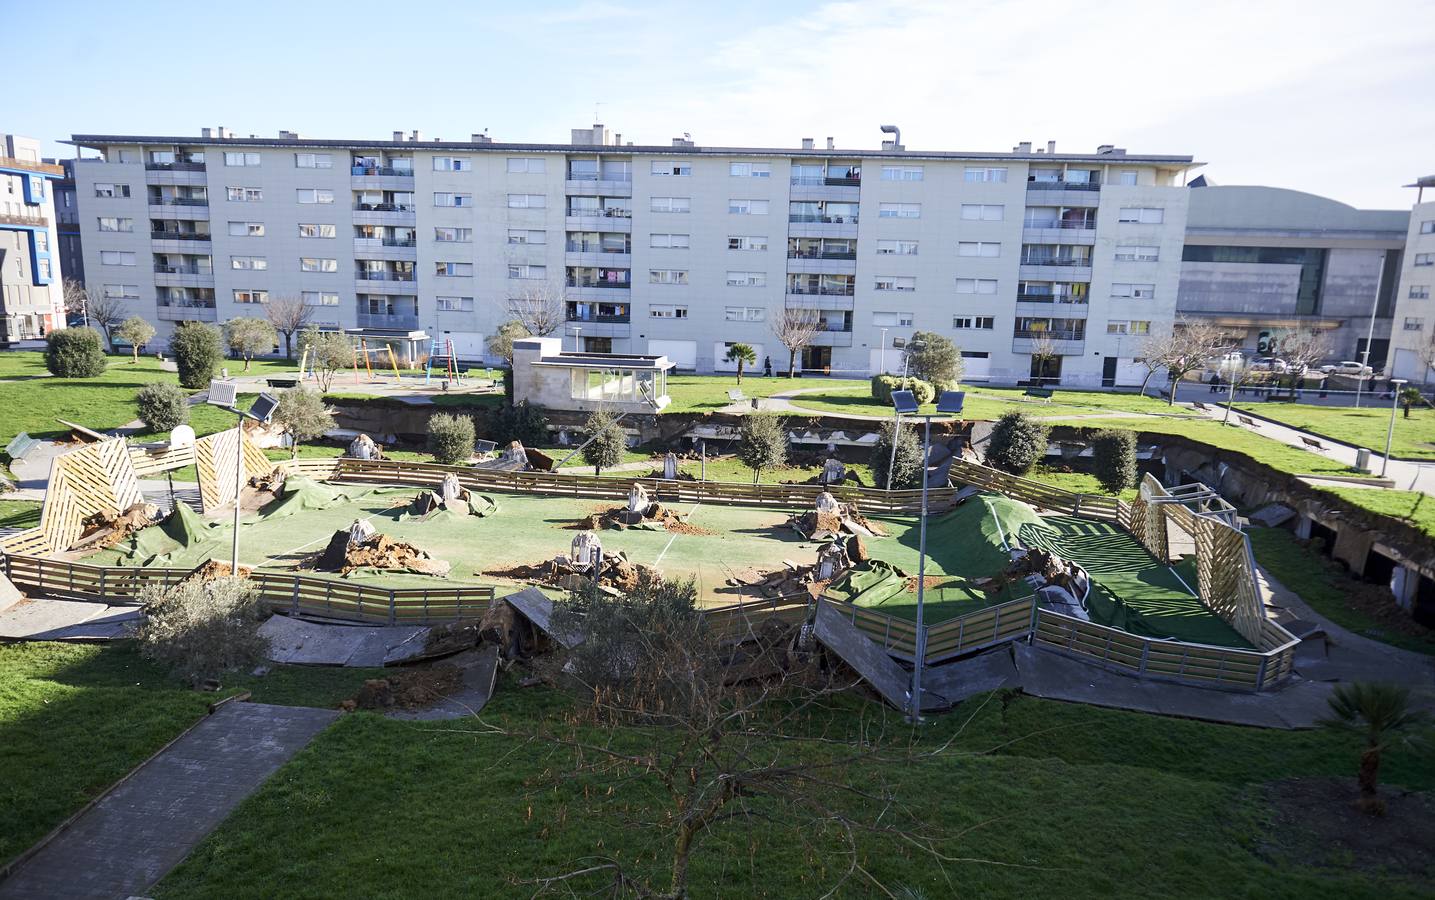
796	329
288	315
1185	350
1426	354
1301	348
76	299
1151	356
1043	350
541	308
106	313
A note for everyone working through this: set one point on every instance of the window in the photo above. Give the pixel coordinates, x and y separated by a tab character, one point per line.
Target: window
747	279
117	258
314	195
452	164
453	269
1129	253
313	264
902	173
527	201
979	248
895	283
253	263
246	229
976	285
251	296
314	160
443	198
526	165
667	311
1427	226
984	173
983	212
458	304
312	230
669	241
528	272
750	170
892	319
1142	215
1121	326
663	167
747	242
113	223
747	207
1424	259
1414	323
1125	291
899	211
744	314
515	235
245	195
896	248
112	190
1126	177
671	204
241	159
125	156
667	276
1419	292
319	298
122	291
984	323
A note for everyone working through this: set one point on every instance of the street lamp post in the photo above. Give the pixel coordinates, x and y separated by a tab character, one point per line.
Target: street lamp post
1395	384
1370	333
882	354
577	339
906	348
224	394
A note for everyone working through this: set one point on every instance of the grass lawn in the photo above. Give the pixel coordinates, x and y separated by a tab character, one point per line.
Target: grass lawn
1412	507
19	513
76	717
1076	482
1333	593
1365	427
704	393
1050	800
986	404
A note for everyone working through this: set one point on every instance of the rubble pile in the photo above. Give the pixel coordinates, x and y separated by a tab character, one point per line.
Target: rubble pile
106	527
414	688
364	447
359	546
1055	579
639	512
617	574
211	569
270	481
833	472
833	559
831	519
453	497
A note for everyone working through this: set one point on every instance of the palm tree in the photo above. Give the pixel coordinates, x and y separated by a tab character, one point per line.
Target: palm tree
1409	396
1381	714
743	355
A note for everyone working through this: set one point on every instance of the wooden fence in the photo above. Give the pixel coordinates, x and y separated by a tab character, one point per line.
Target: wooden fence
82	482
1090	506
1000	624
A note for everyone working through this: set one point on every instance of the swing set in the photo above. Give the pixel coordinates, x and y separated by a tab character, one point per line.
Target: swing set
365	358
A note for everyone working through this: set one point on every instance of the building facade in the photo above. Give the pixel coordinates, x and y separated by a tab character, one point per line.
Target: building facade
67	224
1259	260
1025	259
1414	337
31	301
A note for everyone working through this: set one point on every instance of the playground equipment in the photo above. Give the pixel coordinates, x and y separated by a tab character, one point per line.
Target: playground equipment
448	360
364	353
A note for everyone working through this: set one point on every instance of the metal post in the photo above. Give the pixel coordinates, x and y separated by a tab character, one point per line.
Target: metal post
921	660
896	425
238	493
882	354
1390	432
1370	333
1230	398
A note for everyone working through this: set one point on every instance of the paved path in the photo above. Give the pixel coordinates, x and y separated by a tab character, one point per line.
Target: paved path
146	826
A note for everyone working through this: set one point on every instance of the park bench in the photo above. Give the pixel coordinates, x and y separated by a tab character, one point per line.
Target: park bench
1039	393
21	445
1313	444
282	381
1248	421
735	396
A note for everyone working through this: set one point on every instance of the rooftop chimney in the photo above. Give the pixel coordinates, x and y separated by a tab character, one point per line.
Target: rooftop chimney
1110	150
831	144
288	135
222	133
206	132
1023	147
1051	146
417	136
896	142
807	143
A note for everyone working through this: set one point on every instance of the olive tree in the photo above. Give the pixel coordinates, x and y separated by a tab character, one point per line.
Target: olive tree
302	414
762	443
246	337
137	332
606	442
329	351
934	358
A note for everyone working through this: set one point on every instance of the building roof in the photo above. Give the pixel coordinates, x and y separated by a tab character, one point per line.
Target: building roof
96	141
573	360
1234	209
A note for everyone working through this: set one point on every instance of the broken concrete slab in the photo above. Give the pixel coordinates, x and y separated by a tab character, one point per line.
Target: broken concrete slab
9	594
538	609
298	642
975	675
67	620
480	675
870	661
1272	515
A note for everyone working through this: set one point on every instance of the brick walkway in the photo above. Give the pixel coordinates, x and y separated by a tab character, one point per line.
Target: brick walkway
151	822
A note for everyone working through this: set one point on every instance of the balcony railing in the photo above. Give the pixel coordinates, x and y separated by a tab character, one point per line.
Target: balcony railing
821	254
600	319
381	170
388	242
1034	185
584	248
1060	223
603	213
12	219
1055	261
600	176
174	167
1052	335
400	321
180	235
582	283
830	220
10	162
178	201
841	181
384	207
841	327
386	276
1026	297
810	291
182	270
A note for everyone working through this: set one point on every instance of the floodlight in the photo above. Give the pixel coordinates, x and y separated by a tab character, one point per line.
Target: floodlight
951	401
898	343
263	408
223	393
904	402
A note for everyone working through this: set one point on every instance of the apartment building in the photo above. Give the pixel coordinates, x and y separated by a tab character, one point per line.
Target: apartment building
31	302
67	223
1028	260
1260	260
1414	334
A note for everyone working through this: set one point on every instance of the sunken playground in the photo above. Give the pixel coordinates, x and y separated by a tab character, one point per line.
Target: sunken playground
1161	588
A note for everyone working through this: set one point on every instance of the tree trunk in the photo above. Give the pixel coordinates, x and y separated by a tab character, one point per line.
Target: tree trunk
247	358
1369	773
136	360
739	371
1145	381
791	363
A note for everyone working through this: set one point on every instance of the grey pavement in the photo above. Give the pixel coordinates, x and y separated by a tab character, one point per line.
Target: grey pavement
66	620
149	823
296	641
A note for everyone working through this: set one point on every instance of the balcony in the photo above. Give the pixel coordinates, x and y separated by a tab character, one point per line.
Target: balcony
821	254
598	259
386	276
178	166
30	221
1058	233
179	208
1066	261
1038	297
599	285
177	173
1063	193
183	241
389	321
183	313
381	178
595	187
10	162
821	219
1062	343
161	268
835	303
597	318
385	214
801	290
387	171
832	338
619	221
386	248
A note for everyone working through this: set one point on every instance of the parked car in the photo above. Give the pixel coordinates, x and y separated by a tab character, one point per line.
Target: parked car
1268	364
1347	367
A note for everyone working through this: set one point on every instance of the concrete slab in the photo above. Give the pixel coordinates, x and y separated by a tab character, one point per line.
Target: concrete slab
533	605
299	642
480	674
1054	676
977	675
869	660
46	619
9	594
143	828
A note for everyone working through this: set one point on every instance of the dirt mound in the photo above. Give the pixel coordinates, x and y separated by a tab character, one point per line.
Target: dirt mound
211	569
620	518
409	689
377	552
1045	567
619	575
106	527
826	524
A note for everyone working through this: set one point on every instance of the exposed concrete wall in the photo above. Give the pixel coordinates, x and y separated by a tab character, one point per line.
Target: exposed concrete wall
1255	289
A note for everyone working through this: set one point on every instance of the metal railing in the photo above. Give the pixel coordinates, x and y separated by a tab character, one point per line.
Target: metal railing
381	170
821	254
829	220
178	201
621	177
1061	224
604	213
174	167
405	321
580	248
384	207
182	270
606	285
1050	298
1035	185
1052	335
179	235
602	320
386	276
1075	262
808	291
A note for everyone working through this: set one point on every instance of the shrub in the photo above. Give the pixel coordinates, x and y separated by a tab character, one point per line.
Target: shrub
202	629
938	359
907	467
197	352
74	353
450	438
162	406
522	422
606	441
1114	456
762	443
302	414
884	385
1017	442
